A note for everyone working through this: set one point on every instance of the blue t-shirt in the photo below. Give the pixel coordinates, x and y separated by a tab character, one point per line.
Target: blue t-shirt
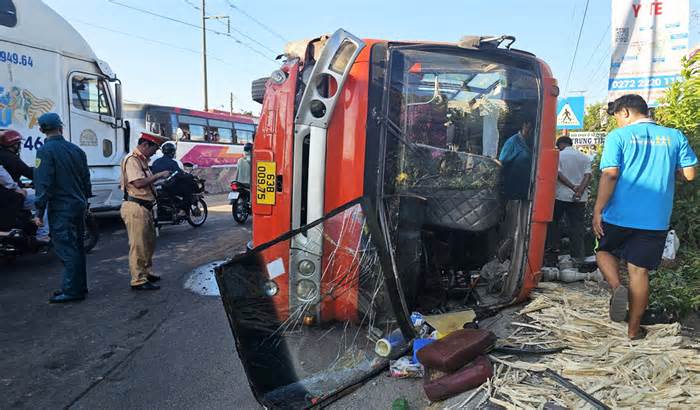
517	162
648	156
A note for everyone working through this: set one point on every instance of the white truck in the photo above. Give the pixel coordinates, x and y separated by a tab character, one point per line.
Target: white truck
49	67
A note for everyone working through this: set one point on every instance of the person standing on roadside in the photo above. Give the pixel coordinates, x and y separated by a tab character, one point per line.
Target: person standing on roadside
62	184
137	209
632	212
571	195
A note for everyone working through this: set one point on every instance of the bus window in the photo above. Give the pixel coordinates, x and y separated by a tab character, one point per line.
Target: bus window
225	136
244	133
88	94
197	133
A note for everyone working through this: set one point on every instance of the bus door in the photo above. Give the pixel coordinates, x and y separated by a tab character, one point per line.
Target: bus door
92	118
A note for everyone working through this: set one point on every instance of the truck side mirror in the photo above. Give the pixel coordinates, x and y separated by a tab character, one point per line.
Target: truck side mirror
118	101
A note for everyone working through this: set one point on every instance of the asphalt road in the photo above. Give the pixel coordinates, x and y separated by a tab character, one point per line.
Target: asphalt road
170	348
118	349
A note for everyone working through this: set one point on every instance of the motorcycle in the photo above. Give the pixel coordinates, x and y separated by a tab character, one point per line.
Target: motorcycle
172	209
239	198
22	239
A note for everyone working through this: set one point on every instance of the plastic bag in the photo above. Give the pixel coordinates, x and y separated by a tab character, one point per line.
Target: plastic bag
671	246
403	367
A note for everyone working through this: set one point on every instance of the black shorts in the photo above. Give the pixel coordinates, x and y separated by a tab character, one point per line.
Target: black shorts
639	247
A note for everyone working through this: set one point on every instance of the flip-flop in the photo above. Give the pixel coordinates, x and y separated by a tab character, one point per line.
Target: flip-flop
641	335
618	304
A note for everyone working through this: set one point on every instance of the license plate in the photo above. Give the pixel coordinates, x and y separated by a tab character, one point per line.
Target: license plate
233	195
265	172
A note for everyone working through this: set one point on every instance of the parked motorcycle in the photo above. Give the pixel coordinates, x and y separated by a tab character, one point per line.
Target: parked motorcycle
172	209
22	239
239	198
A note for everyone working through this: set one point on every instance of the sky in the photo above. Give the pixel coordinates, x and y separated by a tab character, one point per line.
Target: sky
159	60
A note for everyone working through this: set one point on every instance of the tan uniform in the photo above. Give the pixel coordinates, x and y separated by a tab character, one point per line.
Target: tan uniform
138	219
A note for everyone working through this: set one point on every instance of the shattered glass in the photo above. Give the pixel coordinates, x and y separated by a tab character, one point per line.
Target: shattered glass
296	356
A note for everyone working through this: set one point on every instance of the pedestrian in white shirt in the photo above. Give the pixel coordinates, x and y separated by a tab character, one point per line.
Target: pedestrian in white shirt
571	196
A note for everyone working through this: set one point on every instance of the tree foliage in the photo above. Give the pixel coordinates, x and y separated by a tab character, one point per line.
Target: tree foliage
680	108
597	119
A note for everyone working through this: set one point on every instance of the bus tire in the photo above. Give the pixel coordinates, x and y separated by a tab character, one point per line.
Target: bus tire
257	90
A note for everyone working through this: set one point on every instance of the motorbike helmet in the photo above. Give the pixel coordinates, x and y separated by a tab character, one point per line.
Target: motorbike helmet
10	138
168	149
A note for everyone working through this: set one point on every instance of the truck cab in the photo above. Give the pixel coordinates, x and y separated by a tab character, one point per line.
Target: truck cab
49	67
390	177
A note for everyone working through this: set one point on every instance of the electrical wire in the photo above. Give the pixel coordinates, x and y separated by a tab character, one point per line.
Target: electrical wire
258	22
605	33
163	43
234	29
174	20
578	41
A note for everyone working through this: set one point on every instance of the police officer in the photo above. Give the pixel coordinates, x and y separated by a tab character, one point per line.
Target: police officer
62	183
137	209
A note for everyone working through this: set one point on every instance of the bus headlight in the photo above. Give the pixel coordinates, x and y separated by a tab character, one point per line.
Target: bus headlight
306	267
306	290
270	288
278	76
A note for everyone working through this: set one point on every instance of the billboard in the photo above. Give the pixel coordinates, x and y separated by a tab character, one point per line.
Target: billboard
649	39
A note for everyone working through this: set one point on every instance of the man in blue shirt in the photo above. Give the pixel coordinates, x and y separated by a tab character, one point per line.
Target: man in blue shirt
516	158
62	183
631	216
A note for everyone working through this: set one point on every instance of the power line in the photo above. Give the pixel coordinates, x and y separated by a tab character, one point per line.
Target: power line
174	20
605	32
573	60
238	31
189	2
124	33
258	22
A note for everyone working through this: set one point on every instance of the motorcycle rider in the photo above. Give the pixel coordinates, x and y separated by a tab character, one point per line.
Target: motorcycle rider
182	184
243	166
10	147
167	162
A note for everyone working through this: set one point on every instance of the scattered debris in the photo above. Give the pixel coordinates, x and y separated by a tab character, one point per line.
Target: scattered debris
494	273
660	371
672	245
440	386
569	275
447	323
404	367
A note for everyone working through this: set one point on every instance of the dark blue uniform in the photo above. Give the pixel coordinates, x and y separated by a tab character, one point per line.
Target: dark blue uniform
62	183
165	163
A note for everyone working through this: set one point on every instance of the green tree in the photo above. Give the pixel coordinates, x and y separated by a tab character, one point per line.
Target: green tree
597	119
680	108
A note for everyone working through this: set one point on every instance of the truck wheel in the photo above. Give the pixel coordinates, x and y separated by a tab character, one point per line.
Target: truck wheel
258	89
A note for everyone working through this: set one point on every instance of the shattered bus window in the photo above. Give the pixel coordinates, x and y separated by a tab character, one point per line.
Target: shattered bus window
300	350
457	189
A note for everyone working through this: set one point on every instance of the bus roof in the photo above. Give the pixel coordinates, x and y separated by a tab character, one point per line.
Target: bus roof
214	115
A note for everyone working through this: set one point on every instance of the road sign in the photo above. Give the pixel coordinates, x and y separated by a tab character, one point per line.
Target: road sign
587	138
570	113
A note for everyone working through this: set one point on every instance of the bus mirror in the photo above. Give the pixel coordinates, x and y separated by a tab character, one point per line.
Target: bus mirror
118	101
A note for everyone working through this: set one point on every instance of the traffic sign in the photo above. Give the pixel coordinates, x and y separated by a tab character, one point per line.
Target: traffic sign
570	113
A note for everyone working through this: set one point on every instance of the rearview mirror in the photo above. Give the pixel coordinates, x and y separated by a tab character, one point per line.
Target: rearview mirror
118	101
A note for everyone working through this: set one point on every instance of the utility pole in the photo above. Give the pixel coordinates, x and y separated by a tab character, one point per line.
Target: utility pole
204	48
204	55
231	102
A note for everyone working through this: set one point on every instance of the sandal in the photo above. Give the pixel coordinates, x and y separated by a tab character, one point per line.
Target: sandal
641	335
618	304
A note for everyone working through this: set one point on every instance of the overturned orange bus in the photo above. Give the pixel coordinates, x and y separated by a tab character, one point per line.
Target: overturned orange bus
389	178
